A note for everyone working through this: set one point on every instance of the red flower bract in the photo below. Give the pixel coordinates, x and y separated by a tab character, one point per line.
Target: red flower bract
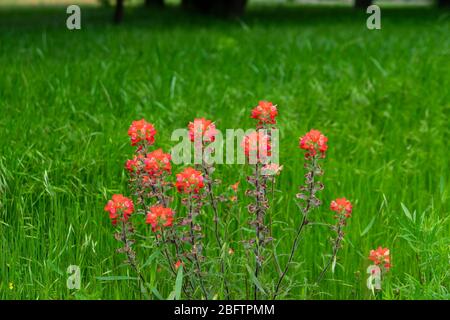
342	205
202	128
256	145
178	264
159	216
314	141
235	186
157	162
141	130
265	112
135	164
189	181
271	169
381	256
119	205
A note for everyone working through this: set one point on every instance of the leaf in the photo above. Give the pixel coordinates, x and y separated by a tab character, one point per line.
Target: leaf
179	283
254	279
369	226
54	267
333	265
157	294
150	259
171	296
379	67
406	211
115	278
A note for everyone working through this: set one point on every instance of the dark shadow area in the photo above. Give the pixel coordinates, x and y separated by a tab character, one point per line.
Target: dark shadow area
35	18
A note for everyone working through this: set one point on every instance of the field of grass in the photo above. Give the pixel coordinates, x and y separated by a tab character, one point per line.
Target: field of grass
382	97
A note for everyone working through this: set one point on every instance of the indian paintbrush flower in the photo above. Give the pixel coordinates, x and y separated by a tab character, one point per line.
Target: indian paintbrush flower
157	162
141	130
314	142
189	181
265	112
256	146
381	256
202	128
119	208
158	217
343	209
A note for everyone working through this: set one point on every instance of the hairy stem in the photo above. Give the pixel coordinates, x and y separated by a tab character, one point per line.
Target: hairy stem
304	222
212	198
194	250
257	230
336	245
132	260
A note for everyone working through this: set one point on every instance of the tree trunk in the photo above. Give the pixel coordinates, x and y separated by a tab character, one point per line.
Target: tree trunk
444	3
203	6
118	14
231	8
363	4
154	3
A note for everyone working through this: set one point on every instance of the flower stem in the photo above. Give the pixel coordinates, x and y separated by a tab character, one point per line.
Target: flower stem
132	260
194	250
212	198
309	204
336	245
291	255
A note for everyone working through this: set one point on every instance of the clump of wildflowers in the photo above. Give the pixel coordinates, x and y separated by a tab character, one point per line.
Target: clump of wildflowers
179	236
149	172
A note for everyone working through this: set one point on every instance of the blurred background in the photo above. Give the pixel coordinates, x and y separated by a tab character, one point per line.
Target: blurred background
178	2
221	8
382	97
103	2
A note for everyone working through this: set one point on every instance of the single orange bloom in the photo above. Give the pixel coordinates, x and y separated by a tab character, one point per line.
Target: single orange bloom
341	205
381	256
141	130
235	186
265	112
178	264
189	181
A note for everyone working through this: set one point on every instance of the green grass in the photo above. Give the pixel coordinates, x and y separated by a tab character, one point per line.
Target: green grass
382	98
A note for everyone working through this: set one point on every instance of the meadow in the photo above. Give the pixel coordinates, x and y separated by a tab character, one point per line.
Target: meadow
382	98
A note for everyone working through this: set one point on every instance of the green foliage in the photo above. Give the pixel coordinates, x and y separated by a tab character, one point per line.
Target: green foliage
68	97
